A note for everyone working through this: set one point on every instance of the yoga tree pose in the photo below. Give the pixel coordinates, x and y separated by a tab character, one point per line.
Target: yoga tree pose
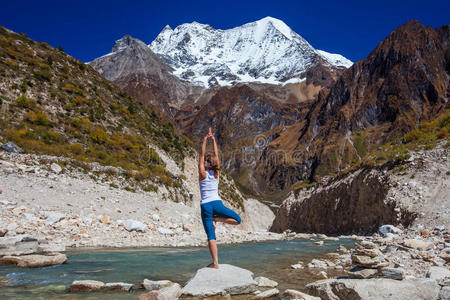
212	208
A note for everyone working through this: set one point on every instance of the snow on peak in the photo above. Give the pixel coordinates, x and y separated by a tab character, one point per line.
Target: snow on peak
335	59
266	50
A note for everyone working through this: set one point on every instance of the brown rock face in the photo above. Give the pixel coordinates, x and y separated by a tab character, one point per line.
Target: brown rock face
355	204
404	81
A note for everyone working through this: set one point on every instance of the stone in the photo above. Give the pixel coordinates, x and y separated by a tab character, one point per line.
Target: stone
385	229
171	292
444	294
86	285
265	282
332	238
11	147
316	263
367	261
45	248
18	245
342	249
35	260
392	273
228	279
52	217
323	275
368	252
297	266
319	243
155	217
418	244
267	294
55	168
165	231
438	273
371	289
133	225
425	233
367	245
156	285
105	220
362	273
297	295
118	286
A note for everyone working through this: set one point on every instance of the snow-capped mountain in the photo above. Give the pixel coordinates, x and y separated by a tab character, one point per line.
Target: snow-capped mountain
266	50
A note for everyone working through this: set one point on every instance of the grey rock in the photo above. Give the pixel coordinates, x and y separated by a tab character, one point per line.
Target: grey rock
297	295
165	231
362	273
374	289
133	225
156	285
418	244
11	147
267	294
227	279
438	273
171	292
444	294
18	245
393	273
56	168
385	229
265	282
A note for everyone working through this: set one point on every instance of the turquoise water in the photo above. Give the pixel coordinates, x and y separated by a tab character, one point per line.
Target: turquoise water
270	259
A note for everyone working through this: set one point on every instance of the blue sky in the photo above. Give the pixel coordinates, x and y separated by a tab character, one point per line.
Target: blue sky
88	29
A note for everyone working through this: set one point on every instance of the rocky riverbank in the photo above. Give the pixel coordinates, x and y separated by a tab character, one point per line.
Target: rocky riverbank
73	206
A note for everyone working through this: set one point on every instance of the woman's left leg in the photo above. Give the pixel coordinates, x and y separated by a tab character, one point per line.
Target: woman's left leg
225	215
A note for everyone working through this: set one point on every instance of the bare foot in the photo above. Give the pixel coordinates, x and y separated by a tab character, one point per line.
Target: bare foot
213	265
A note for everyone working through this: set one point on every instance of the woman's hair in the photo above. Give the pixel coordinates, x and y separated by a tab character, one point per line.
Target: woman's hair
212	162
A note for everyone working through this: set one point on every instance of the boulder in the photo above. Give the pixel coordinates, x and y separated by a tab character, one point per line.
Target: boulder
18	245
55	168
118	286
156	285
265	282
133	225
385	229
362	273
227	279
171	292
297	295
86	285
418	244
34	260
267	294
438	273
11	147
444	294
392	273
372	289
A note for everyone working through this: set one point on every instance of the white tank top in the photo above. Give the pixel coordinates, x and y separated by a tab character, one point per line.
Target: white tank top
209	188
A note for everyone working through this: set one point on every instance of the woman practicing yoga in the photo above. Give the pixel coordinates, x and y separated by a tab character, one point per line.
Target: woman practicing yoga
212	208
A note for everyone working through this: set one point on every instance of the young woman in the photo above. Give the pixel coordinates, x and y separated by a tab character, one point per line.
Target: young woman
212	208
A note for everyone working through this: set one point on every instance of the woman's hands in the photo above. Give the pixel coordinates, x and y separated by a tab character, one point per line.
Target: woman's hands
209	135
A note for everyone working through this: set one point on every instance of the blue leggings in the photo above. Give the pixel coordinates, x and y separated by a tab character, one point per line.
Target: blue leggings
215	209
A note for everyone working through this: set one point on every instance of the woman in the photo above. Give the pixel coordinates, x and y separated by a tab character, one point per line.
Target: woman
212	208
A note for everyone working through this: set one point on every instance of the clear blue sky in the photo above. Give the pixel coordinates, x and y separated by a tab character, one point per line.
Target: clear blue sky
88	29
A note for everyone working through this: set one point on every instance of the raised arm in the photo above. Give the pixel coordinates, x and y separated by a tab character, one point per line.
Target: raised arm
216	152
201	160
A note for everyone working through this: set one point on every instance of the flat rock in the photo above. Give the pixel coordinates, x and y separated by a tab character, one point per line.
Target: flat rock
171	292
18	245
11	147
267	294
227	279
167	231
418	244
374	289
156	285
297	295
392	273
265	282
368	262
362	273
35	260
118	286
86	285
